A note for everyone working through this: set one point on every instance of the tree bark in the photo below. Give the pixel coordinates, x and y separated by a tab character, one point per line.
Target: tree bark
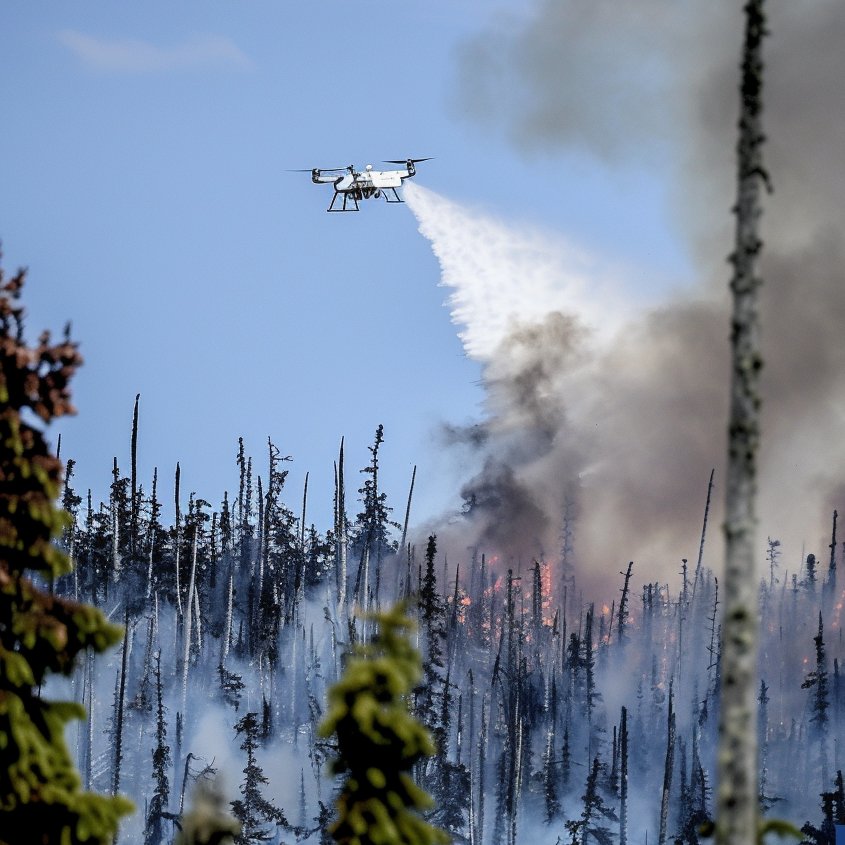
736	817
133	505
667	771
623	779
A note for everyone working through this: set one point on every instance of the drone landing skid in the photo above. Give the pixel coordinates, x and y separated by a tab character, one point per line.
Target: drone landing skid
349	201
346	200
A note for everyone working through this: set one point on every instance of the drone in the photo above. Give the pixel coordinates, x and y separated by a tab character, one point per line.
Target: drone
352	186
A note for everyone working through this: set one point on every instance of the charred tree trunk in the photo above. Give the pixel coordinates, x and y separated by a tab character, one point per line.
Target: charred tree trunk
623	778
736	817
151	535
178	541
118	709
89	721
482	762
831	569
697	575
667	770
186	653
623	606
340	533
133	505
403	549
114	506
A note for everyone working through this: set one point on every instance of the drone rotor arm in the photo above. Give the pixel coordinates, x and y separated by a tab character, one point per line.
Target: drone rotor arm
407	160
410	165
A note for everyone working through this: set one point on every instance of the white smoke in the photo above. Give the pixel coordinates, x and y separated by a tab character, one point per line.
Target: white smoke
624	412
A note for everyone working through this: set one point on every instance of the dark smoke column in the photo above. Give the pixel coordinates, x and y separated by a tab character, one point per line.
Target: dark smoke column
736	813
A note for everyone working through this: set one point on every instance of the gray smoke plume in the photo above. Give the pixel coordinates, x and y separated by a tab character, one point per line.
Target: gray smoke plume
630	421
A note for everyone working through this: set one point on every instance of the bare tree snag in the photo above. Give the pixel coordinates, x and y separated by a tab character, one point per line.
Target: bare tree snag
736	817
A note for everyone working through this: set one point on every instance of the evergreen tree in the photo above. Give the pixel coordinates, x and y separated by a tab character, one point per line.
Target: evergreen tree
773	553
452	796
157	809
379	741
372	529
565	758
319	558
280	558
254	811
432	620
818	681
154	549
119	513
588	663
810	581
595	812
231	686
575	677
41	799
70	505
833	815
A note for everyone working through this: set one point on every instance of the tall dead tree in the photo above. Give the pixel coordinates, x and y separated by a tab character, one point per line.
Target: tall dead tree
120	696
703	533
623	605
623	778
736	817
177	542
667	770
831	569
134	505
403	550
341	533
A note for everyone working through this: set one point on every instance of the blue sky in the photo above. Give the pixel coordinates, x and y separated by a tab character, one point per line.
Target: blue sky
143	180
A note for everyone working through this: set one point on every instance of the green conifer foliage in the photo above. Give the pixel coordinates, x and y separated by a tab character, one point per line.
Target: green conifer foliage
41	799
207	822
378	741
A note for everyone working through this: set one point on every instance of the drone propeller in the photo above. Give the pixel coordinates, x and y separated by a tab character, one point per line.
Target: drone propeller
406	160
312	169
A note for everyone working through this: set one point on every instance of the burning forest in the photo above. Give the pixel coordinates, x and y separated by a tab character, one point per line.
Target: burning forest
554	716
570	617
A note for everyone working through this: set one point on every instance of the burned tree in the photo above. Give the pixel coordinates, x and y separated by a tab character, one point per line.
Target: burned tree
254	812
736	816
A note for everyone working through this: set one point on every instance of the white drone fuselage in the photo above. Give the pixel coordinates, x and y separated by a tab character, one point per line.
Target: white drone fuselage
366	178
353	185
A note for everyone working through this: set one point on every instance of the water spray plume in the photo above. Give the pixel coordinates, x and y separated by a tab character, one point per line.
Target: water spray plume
503	276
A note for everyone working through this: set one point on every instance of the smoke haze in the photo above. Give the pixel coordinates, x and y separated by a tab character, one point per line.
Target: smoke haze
627	416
